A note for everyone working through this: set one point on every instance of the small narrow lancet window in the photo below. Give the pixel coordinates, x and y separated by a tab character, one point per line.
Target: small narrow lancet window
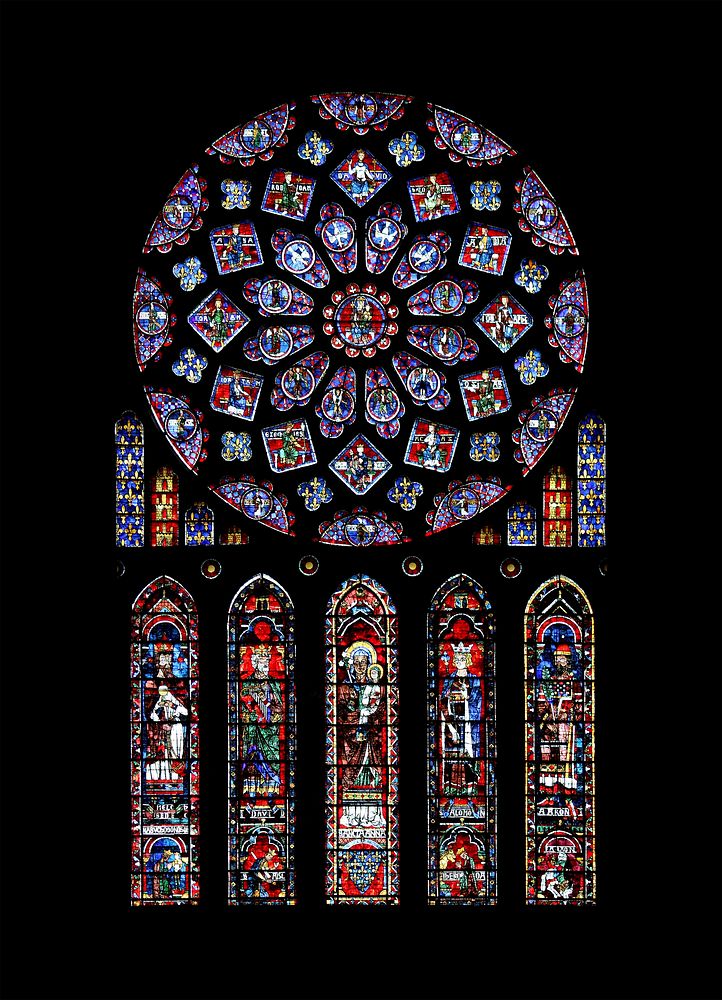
164	508
129	501
199	525
486	536
557	508
521	524
591	488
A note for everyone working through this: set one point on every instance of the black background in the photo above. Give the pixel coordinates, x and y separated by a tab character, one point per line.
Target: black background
104	105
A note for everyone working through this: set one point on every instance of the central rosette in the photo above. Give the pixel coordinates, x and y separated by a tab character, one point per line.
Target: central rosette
361	320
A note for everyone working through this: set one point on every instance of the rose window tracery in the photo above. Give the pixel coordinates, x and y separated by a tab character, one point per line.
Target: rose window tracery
374	286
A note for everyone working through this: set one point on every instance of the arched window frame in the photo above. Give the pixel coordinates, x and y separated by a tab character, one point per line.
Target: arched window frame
199	524
592	482
164	745
521	524
164	500
558	507
129	481
461	707
560	769
362	821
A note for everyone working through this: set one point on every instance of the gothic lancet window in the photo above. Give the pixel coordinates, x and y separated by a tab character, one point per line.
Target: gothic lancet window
461	745
362	752
559	654
199	524
359	321
557	508
129	482
164	745
521	524
164	508
261	744
592	475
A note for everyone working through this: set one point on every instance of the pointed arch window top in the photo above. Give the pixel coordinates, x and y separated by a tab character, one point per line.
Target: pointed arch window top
129	481
165	782
362	749
560	772
461	745
261	744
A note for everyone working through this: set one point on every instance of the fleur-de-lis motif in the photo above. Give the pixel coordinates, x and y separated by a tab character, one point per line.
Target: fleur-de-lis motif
236	446
485	195
407	149
530	275
531	367
314	493
190	273
404	492
189	365
237	194
315	148
484	447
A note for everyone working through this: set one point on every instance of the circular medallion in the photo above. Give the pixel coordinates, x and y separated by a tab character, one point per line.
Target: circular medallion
360	320
308	565
360	530
256	503
298	383
383	404
446	296
423	383
210	569
256	136
181	424
464	503
384	235
275	343
412	566
298	256
337	235
446	343
542	424
542	212
152	319
510	568
275	295
178	212
337	404
361	109
424	256
467	139
569	321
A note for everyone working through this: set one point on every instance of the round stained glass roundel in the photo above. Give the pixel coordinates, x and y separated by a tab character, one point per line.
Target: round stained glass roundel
360	318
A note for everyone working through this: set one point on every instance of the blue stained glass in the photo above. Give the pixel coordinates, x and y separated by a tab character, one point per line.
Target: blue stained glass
591	472
199	525
521	524
129	505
